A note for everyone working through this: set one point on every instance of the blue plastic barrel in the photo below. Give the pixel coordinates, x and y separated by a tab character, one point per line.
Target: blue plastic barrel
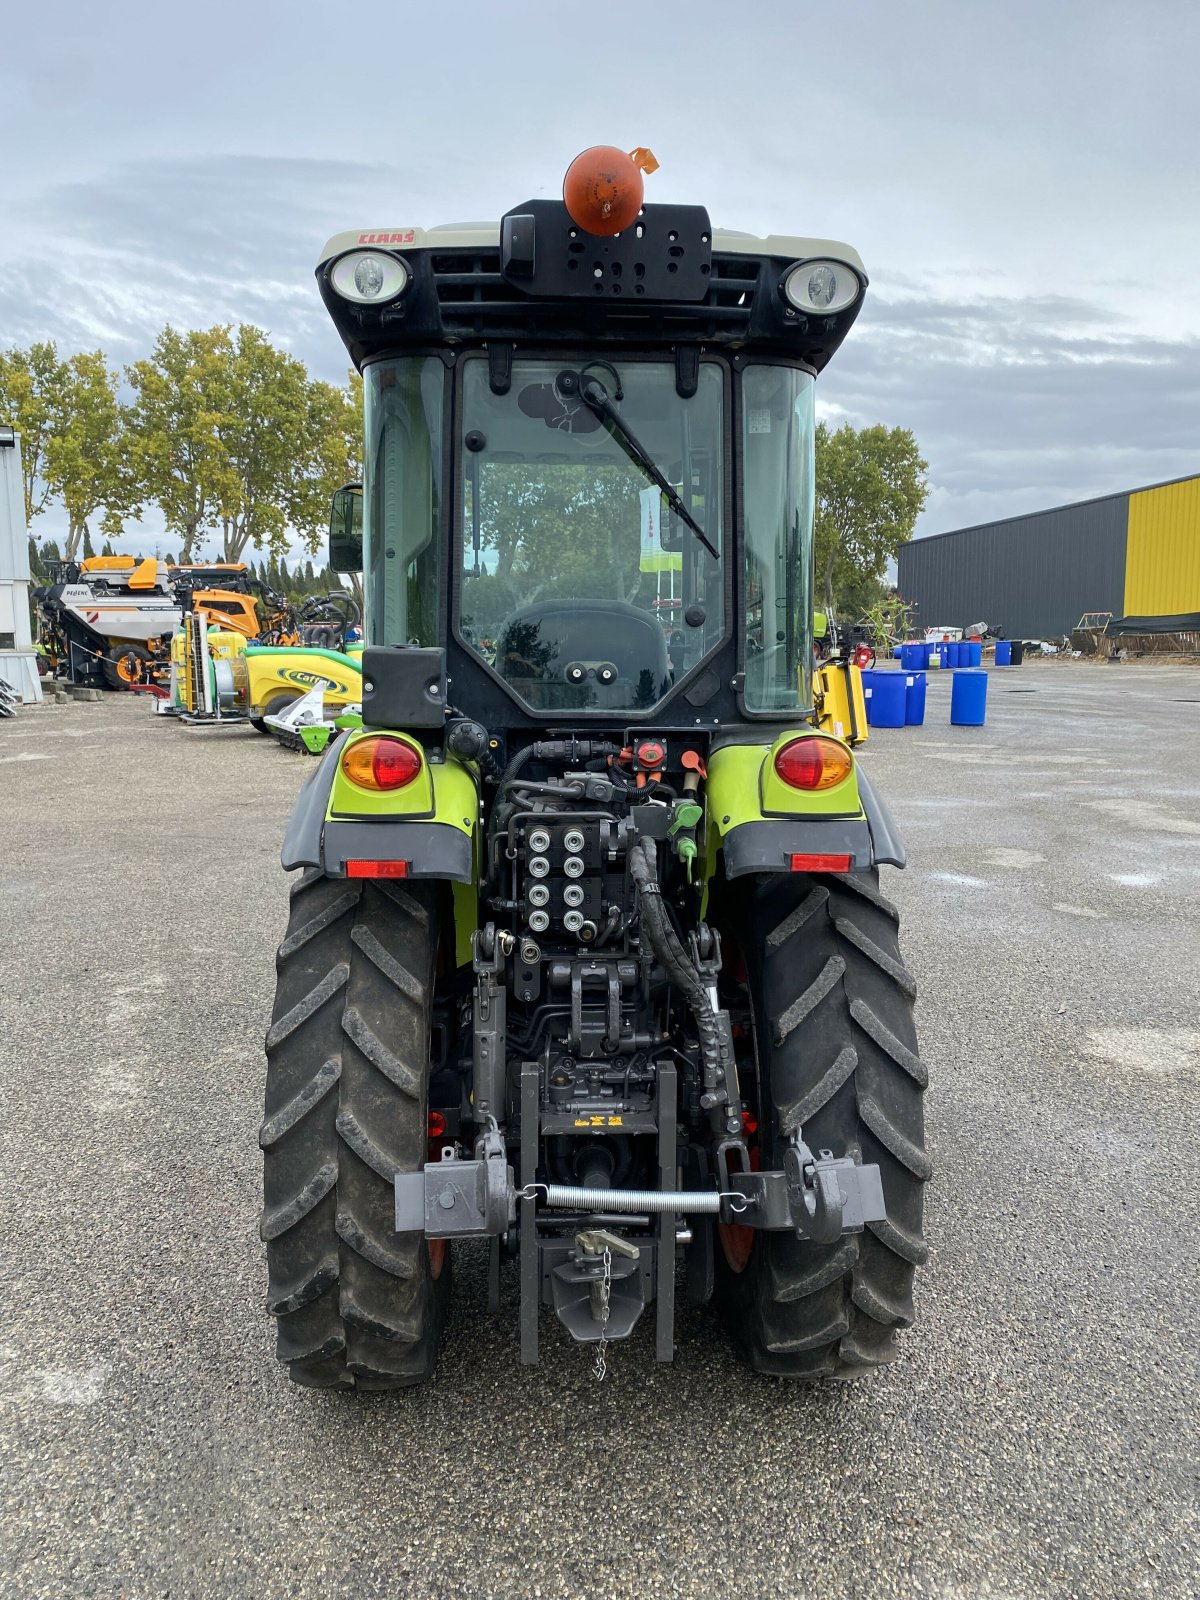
968	698
912	657
886	706
974	653
914	699
1004	652
961	655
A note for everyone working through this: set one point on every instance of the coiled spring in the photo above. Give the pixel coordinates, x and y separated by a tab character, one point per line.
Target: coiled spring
575	1197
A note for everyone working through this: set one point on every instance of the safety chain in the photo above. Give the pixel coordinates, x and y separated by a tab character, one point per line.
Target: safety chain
600	1366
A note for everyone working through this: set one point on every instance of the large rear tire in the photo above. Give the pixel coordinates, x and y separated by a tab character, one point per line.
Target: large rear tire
836	1052
357	1305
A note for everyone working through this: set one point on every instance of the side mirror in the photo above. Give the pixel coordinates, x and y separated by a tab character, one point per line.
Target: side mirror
346	529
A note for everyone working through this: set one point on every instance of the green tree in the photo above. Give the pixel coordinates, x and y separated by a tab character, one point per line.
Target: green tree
871	486
36	571
288	444
89	549
107	549
86	460
182	396
30	384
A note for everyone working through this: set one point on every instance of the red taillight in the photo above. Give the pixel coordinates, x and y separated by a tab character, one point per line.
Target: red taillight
819	863
749	1122
381	762
437	1124
813	762
377	869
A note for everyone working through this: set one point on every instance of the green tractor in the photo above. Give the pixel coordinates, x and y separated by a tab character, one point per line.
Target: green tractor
587	957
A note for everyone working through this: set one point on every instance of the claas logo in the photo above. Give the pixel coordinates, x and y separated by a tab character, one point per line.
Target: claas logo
405	236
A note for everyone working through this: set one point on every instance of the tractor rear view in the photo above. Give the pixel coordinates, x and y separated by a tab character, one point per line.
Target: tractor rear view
587	956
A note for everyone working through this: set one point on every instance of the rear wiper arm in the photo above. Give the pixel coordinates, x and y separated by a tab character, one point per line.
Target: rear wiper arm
594	397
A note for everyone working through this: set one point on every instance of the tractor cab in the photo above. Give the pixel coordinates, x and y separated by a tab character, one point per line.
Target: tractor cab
589	460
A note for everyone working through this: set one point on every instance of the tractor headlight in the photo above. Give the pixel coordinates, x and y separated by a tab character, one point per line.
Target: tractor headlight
368	277
823	287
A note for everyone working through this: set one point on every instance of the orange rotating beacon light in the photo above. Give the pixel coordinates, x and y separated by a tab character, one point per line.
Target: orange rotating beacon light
603	188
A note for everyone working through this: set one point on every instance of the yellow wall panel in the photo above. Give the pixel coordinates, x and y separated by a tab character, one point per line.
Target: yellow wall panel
1162	556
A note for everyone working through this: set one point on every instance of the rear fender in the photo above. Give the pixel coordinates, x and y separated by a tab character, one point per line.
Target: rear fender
756	822
432	825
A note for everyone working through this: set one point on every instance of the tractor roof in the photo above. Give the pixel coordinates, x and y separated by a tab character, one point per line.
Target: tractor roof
486	236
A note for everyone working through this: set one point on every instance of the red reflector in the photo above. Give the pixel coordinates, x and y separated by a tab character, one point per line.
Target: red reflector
437	1124
819	863
377	869
749	1122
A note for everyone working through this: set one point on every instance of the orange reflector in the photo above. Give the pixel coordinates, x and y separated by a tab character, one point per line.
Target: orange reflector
603	188
377	869
813	762
819	863
380	762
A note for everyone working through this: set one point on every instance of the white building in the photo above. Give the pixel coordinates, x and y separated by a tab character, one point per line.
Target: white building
18	663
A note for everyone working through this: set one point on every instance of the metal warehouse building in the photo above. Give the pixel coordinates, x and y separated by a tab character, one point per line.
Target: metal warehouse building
1134	554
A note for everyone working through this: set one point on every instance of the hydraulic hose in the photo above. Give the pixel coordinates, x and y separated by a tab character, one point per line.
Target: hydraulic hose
558	750
665	943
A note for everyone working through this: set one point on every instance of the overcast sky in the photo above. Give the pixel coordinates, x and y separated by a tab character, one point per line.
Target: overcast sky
1021	180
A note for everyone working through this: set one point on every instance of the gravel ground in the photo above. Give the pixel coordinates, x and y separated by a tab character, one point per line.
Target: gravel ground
1038	1437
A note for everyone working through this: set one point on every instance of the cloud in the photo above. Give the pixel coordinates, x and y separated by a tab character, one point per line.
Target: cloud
191	242
1018	400
1019	403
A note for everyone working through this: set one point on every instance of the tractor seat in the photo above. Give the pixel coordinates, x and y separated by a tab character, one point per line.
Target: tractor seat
571	655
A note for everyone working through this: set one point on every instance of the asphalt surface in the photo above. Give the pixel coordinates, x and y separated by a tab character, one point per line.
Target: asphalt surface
1038	1436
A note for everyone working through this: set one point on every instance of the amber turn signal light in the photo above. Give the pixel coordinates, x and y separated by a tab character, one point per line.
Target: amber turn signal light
380	762
813	762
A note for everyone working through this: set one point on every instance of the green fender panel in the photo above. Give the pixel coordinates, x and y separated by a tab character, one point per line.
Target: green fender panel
431	824
756	822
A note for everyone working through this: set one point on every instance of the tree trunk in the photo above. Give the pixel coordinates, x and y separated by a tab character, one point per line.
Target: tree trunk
237	537
75	533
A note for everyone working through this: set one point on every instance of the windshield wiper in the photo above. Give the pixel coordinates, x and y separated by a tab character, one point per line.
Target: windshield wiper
595	397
